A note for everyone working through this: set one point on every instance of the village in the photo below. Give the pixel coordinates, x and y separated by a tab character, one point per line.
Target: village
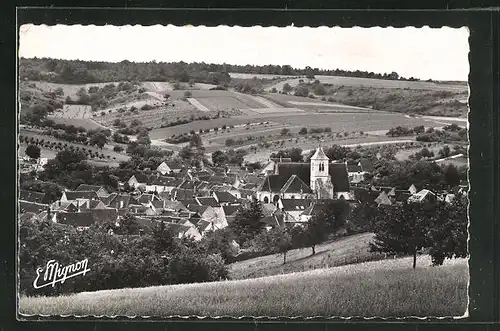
192	202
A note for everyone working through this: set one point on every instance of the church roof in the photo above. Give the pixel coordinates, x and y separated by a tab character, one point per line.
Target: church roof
319	155
274	183
295	185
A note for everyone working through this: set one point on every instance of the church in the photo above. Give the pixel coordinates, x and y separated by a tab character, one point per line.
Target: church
318	179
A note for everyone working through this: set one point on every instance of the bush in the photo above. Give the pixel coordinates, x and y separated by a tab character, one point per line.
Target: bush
303	131
285	132
117	148
147	107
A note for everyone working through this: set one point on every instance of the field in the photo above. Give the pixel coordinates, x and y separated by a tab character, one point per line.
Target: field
349	250
107	150
384	288
377	83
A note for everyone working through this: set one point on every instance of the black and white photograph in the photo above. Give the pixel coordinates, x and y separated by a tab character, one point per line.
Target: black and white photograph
177	171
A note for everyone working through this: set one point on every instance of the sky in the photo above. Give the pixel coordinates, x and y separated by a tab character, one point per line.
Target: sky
439	54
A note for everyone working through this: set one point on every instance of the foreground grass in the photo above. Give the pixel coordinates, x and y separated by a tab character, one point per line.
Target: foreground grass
382	288
348	250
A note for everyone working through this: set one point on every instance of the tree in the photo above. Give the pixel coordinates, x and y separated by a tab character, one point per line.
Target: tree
445	151
295	154
99	139
283	241
247	223
402	229
285	132
448	234
303	131
128	225
219	157
315	232
118	148
451	175
301	91
196	141
426	153
287	88
33	151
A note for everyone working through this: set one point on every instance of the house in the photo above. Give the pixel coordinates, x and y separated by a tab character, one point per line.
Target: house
182	194
120	201
164	184
163	169
423	196
313	209
207	201
383	199
324	179
225	198
412	189
99	190
107	199
139	179
32	207
214	218
31	196
355	173
78	196
292	209
183	231
270	167
146	198
366	165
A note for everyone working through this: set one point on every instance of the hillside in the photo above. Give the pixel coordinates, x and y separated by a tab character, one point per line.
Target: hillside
349	250
418	98
382	288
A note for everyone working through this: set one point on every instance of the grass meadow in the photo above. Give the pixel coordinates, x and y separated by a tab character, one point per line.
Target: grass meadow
348	250
387	288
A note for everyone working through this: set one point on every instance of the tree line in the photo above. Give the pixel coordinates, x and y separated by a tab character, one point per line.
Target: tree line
80	72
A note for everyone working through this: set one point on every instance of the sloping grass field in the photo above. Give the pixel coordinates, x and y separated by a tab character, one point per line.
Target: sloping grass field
348	250
388	288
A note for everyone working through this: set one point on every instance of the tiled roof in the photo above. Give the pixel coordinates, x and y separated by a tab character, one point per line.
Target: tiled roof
197	208
31	196
27	206
207	201
354	168
117	199
107	199
295	204
73	195
295	185
231	210
315	208
225	197
86	187
366	165
182	194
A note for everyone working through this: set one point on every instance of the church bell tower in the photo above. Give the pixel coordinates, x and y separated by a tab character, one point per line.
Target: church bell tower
321	182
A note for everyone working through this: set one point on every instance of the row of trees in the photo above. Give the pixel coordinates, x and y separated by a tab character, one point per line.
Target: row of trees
70	71
116	261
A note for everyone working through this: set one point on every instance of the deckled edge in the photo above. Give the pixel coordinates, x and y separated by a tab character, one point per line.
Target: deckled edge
46	317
